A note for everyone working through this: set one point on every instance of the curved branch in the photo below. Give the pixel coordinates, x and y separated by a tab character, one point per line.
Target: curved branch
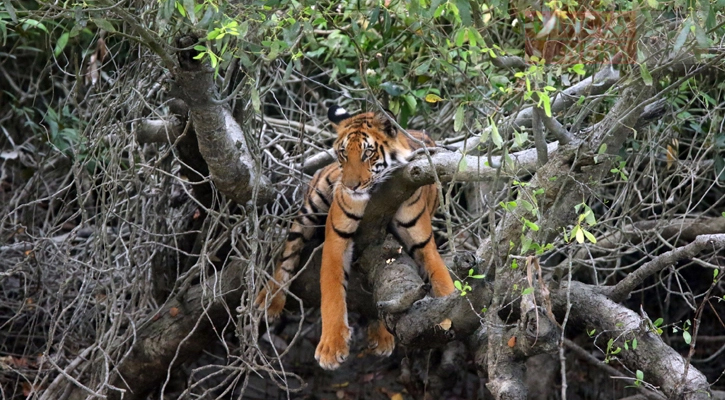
621	290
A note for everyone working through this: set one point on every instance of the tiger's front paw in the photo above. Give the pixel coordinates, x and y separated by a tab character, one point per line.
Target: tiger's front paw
276	303
333	348
380	341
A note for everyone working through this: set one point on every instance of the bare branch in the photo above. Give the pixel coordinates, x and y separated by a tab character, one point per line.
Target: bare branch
621	290
554	127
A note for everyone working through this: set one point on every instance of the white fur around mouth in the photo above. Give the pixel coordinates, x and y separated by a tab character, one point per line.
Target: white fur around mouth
357	195
340	111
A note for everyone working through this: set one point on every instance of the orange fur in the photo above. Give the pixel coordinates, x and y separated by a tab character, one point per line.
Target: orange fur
367	145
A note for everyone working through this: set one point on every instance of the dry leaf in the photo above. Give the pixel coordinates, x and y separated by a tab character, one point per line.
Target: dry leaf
445	324
512	342
397	396
173	311
27	389
197	214
340	385
672	152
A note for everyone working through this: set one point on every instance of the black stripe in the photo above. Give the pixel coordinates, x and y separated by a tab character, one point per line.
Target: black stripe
327	179
412	221
341	199
420	193
347	277
343	234
420	245
350	214
314	219
313	208
291	236
322	197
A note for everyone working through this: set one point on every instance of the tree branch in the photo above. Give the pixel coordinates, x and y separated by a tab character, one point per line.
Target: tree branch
621	290
221	140
662	366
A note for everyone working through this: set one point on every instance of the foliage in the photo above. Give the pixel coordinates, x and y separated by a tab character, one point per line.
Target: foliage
99	231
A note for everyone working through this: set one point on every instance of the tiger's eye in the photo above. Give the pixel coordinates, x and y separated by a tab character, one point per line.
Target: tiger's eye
369	153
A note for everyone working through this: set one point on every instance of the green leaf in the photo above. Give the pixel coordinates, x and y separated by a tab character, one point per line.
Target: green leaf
189	7
11	11
525	244
458	119
27	23
526	291
634	344
687	337
719	167
644	72
589	236
682	36
463	164
464	11
531	225
105	25
495	135
256	103
578	69
703	41
460	37
579	235
640	375
658	322
61	43
392	88
411	102
458	285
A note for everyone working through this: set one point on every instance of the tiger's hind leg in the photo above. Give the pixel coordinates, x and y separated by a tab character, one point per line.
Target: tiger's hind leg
412	226
310	218
272	297
380	341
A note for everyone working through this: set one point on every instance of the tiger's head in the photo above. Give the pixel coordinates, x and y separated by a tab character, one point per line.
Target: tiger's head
367	145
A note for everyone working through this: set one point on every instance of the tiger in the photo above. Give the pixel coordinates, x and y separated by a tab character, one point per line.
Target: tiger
368	145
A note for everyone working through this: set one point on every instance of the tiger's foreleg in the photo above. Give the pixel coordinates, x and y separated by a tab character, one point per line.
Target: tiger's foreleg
342	222
412	226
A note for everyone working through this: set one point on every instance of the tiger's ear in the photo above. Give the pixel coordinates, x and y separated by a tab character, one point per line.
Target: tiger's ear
337	114
386	121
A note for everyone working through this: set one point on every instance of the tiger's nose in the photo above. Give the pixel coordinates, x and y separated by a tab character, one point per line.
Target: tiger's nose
352	185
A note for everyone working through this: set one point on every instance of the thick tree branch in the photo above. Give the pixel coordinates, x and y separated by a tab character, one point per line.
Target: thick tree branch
221	140
662	366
